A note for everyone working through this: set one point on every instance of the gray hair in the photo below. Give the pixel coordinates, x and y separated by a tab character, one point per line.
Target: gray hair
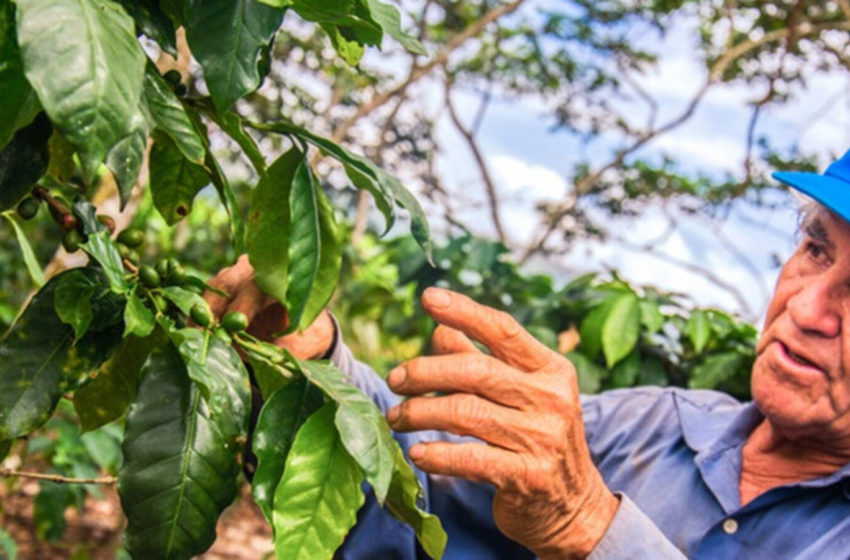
808	211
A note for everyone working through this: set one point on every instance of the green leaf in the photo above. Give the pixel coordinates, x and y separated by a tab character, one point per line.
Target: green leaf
184	299
305	243
19	104
589	374
109	394
84	62
626	372
23	161
591	328
228	198
621	328
226	37
72	300
267	232
316	502
281	417
217	371
169	115
174	180
330	262
138	319
698	329
102	249
715	369
86	215
277	3
33	268
383	198
5	447
180	462
153	22
351	51
61	166
419	227
126	156
39	361
387	16
650	316
269	376
366	175
8	546
232	125
362	427
402	504
653	372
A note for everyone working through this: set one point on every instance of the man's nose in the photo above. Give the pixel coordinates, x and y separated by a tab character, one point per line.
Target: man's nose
815	308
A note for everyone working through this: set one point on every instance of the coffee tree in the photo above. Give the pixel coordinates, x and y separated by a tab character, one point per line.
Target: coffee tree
82	104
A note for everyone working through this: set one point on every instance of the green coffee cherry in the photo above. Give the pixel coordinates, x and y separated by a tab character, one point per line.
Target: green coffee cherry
28	208
173	264
162	268
234	321
179	276
149	276
72	240
131	237
201	315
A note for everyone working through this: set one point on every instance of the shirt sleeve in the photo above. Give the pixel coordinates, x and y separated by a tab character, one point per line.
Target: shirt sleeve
359	374
633	536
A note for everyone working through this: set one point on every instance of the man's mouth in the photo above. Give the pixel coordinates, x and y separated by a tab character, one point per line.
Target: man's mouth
802	360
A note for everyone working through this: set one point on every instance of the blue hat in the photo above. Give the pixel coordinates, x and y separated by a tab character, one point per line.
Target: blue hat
832	189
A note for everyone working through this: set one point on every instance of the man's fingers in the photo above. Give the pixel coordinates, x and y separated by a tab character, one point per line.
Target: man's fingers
447	340
497	330
250	300
463	373
478	462
464	415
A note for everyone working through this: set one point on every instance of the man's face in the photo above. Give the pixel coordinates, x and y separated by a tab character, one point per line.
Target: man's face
801	376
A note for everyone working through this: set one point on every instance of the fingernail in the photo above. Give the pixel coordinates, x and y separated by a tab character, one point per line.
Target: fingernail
416	452
437	298
392	414
397	377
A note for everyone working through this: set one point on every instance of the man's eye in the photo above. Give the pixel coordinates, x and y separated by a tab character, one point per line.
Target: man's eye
815	251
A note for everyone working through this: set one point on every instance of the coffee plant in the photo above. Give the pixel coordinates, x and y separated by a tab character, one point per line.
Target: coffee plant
125	337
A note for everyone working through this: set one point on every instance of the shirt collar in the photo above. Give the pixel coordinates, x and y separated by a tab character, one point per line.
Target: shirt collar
717	431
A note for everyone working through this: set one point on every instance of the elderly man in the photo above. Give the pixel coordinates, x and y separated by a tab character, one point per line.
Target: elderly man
639	473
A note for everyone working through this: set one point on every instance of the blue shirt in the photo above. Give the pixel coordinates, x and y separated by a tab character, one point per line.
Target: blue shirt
673	456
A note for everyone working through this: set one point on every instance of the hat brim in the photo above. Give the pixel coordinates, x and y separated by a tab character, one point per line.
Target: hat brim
829	191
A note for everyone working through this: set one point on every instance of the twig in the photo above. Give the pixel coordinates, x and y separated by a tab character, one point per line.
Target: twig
490	187
715	74
5	473
419	72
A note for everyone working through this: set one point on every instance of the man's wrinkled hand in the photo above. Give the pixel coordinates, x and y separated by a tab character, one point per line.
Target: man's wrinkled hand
522	402
266	316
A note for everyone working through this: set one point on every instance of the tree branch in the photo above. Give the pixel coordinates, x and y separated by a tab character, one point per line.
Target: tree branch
490	187
418	72
715	74
692	267
5	473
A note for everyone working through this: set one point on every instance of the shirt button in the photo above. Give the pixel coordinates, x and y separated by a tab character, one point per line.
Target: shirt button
730	526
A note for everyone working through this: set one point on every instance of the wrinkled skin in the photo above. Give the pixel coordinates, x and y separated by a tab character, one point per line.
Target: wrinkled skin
801	375
265	315
521	401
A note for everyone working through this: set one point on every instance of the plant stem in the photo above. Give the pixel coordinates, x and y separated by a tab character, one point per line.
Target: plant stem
5	473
